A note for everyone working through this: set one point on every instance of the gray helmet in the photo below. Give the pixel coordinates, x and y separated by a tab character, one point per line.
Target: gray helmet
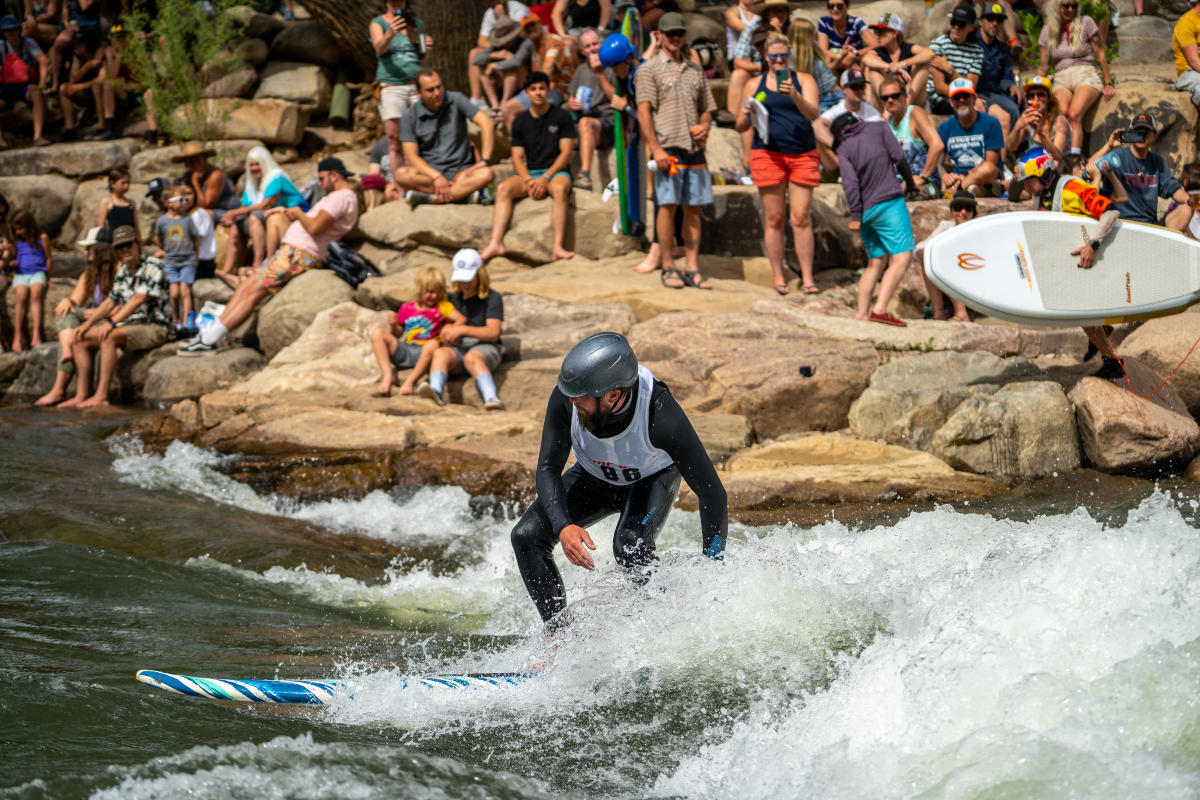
597	365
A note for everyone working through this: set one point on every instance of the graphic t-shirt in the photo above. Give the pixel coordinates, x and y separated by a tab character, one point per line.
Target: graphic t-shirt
967	147
419	325
177	235
1145	181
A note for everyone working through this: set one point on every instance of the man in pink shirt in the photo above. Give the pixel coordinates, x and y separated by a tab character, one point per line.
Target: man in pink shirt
304	245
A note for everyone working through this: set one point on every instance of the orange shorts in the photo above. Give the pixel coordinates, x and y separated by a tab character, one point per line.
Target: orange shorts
769	168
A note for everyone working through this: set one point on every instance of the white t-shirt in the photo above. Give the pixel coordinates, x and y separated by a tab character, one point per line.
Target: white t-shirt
866	112
517	11
942	227
342	205
202	221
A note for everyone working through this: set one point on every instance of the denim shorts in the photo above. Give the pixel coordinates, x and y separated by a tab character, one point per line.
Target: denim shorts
30	279
181	273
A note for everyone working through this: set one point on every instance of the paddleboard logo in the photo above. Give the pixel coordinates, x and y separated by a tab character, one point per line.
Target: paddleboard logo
970	261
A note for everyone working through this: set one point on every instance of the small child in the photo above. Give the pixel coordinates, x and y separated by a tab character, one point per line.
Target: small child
412	337
178	243
202	221
34	262
117	209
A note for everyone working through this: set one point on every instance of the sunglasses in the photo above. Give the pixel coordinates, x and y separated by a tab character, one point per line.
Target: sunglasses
1069	5
962	97
832	6
674	34
777	57
958	209
125	246
887	98
960	24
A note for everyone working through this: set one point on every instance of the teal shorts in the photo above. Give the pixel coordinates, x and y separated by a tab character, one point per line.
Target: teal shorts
537	173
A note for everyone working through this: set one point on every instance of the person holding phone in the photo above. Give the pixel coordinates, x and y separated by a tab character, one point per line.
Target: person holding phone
1145	176
400	45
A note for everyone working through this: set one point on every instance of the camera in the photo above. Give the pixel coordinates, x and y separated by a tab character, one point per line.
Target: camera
1133	136
407	16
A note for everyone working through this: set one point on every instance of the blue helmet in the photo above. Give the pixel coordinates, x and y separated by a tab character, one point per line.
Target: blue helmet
615	50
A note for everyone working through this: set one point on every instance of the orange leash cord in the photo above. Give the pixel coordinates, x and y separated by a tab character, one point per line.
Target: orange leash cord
1129	383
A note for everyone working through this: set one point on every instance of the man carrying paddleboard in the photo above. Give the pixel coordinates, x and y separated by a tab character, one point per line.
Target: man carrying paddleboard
632	444
1074	196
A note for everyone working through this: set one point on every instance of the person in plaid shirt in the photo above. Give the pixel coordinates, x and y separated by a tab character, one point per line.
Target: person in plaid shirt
135	316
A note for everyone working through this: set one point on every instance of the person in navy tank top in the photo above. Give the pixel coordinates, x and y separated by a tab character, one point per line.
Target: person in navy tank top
784	165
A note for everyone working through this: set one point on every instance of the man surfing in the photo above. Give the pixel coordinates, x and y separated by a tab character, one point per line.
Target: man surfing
1052	192
632	444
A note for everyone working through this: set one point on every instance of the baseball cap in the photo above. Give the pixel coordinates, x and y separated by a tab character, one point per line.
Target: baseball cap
854	77
1143	120
963	199
9	22
156	187
965	14
671	21
123	235
1040	82
994	11
961	85
839	125
95	236
890	22
466	263
332	164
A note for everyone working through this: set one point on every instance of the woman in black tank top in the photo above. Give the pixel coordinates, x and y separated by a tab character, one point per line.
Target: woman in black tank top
570	17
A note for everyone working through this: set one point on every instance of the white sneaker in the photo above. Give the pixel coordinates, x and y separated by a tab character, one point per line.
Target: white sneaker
495	404
426	391
197	348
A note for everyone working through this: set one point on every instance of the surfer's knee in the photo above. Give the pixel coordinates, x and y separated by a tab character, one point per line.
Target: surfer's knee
531	535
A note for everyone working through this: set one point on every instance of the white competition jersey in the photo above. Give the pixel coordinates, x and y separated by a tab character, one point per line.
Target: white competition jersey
627	457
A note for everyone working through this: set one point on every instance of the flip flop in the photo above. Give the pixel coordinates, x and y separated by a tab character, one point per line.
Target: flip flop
811	289
672	279
692	277
782	289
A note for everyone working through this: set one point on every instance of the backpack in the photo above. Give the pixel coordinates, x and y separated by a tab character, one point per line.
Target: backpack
350	266
14	71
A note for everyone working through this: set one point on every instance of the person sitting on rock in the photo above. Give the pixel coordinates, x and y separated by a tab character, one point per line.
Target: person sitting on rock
379	162
841	36
496	49
1143	175
304	247
1052	192
870	159
1070	42
973	142
84	84
588	103
554	56
503	64
473	345
442	166
1185	43
573	17
411	337
135	316
267	186
896	59
963	208
91	288
918	138
955	55
24	78
214	189
543	139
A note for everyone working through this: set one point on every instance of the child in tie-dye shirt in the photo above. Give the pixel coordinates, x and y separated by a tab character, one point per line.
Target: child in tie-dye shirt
412	336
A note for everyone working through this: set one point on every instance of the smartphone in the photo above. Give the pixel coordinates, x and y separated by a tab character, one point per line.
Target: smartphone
1133	136
781	75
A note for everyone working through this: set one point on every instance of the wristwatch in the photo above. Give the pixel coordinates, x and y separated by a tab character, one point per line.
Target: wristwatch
1094	244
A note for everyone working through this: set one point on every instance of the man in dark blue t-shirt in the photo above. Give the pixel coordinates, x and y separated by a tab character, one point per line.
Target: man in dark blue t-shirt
973	143
1145	176
543	139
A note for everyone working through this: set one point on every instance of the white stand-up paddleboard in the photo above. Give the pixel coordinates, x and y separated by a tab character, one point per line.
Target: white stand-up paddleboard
1018	266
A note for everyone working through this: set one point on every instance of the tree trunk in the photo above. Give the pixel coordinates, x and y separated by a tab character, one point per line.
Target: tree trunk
453	24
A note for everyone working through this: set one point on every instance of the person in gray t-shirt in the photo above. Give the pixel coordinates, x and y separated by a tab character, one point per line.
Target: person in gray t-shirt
442	164
178	243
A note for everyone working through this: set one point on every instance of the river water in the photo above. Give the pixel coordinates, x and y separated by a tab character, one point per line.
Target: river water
1046	646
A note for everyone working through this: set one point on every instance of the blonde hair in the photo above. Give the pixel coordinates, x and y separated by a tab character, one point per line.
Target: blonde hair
485	283
1054	26
430	276
803	34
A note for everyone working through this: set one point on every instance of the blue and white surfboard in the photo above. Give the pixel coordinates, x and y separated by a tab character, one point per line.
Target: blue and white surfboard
306	692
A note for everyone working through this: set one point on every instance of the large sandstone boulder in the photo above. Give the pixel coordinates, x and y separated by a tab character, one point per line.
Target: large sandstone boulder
252	52
590	231
156	162
38	369
11	365
238	83
306	84
777	375
813	476
732	225
47	196
255	24
909	399
289	313
178	378
535	327
273	121
333	429
1021	430
1123	433
308	42
1172	110
1162	343
71	159
1143	38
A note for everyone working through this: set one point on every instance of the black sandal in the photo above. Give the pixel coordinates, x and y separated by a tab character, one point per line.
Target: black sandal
672	279
692	277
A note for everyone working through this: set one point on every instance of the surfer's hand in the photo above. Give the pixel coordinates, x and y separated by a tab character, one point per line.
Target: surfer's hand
573	539
1087	256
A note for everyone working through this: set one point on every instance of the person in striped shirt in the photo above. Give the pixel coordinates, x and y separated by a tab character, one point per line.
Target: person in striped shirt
956	55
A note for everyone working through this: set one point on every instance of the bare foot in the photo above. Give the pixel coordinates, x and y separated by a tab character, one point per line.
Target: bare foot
49	399
72	403
491	251
405	388
37	340
648	265
17	347
561	254
94	401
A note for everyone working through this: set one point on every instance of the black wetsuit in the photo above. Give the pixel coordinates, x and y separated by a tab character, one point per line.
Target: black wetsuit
577	497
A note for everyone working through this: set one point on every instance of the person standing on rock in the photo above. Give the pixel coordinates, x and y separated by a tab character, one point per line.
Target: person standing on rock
870	159
675	108
632	444
400	45
304	246
135	316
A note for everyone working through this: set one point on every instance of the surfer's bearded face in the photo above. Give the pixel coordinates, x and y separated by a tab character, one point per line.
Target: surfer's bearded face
594	412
